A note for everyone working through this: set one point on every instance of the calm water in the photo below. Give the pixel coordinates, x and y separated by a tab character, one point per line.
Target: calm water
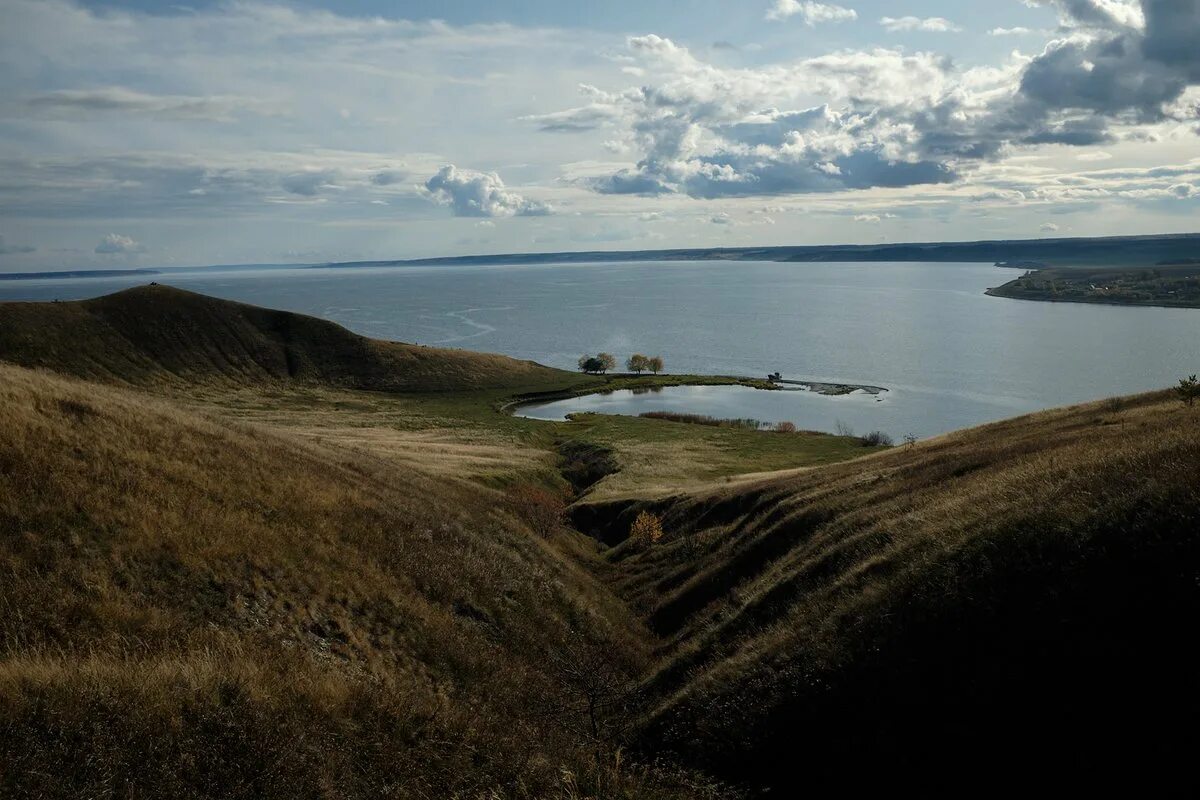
951	356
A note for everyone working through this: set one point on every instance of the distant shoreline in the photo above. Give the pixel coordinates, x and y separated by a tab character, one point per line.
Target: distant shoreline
1160	286
1092	252
1107	251
77	273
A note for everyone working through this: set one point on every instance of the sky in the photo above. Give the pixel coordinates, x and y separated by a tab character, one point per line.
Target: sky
142	133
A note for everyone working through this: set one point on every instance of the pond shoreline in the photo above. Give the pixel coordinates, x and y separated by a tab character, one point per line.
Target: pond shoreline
624	382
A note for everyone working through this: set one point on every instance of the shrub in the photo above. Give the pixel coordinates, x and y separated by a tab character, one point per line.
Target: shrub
785	427
1188	390
877	439
646	529
544	511
843	429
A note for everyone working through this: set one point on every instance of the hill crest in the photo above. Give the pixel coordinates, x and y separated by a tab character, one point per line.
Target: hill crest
157	333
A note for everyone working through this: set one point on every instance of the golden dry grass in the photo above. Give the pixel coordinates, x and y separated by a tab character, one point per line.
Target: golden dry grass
264	583
193	608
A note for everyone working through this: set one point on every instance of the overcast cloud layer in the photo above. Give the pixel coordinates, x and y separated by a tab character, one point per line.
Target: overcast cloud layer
249	132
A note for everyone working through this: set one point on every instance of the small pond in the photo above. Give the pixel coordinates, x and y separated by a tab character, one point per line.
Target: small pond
860	411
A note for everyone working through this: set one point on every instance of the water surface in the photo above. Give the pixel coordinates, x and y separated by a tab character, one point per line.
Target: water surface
950	355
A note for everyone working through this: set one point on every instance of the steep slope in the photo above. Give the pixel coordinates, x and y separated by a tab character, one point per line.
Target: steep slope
194	609
155	334
1007	601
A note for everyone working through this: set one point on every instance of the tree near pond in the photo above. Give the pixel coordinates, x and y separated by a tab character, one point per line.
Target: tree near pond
654	364
607	361
637	363
589	363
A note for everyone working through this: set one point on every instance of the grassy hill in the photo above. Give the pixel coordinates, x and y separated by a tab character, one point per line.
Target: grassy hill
158	334
279	581
1004	601
191	608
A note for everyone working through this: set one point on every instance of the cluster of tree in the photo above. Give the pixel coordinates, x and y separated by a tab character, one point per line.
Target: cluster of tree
639	363
603	362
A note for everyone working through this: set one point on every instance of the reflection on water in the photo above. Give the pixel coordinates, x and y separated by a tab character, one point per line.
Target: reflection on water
858	411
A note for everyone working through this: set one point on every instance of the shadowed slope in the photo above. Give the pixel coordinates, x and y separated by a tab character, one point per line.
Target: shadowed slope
157	333
998	601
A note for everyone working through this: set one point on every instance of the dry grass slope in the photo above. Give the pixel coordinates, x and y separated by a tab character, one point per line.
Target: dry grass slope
307	604
1004	600
194	609
157	334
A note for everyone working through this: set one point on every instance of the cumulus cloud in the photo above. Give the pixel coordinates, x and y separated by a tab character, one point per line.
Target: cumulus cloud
1017	31
722	218
1119	57
479	194
13	249
812	13
116	244
893	118
1048	227
927	24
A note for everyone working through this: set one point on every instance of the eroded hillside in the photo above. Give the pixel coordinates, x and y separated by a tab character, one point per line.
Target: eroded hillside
1014	595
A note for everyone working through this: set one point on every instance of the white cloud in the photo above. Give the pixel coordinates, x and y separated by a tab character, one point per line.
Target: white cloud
927	24
1048	227
1099	155
722	218
870	218
116	244
1017	31
812	13
123	119
1178	191
479	194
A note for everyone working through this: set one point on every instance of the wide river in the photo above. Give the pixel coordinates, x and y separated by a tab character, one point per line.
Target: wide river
950	356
